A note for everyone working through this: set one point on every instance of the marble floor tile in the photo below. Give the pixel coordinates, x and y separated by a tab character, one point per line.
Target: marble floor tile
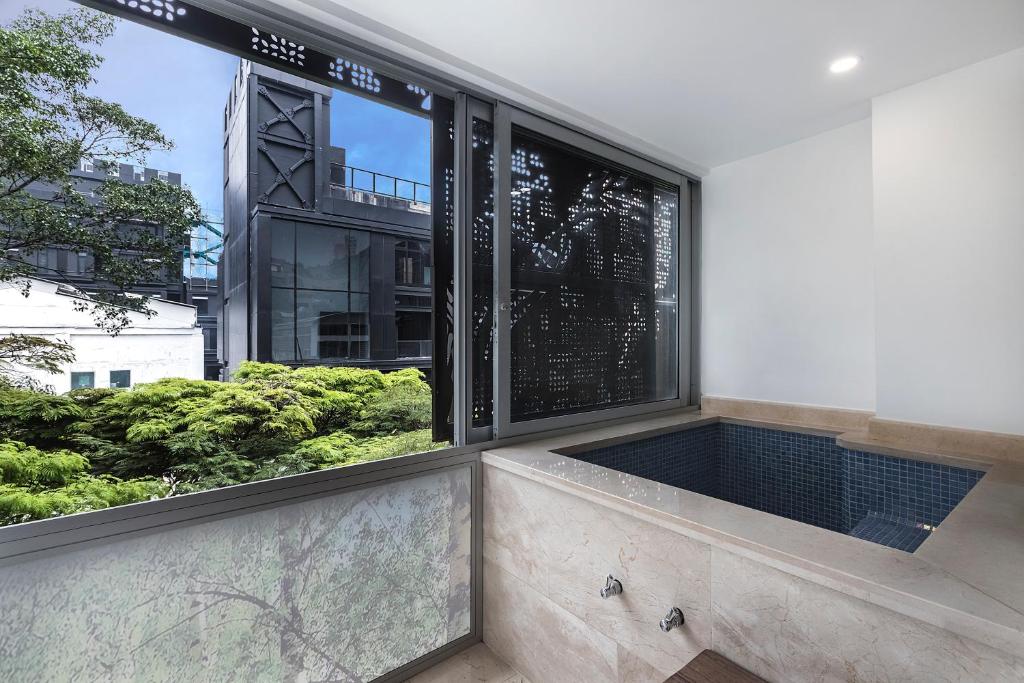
477	664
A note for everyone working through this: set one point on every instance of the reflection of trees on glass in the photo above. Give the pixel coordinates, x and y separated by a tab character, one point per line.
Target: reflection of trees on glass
593	249
343	588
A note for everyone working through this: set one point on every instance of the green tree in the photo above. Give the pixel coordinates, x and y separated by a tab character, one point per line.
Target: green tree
192	435
21	351
50	123
35	484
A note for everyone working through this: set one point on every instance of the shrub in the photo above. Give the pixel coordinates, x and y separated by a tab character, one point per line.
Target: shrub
35	484
401	407
91	448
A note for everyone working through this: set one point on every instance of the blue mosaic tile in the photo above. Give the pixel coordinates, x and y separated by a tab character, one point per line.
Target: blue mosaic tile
895	533
804	477
686	459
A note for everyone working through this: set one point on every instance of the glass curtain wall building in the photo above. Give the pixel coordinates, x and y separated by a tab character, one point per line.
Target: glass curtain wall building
324	263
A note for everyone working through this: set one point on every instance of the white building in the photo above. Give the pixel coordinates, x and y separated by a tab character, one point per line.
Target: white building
167	344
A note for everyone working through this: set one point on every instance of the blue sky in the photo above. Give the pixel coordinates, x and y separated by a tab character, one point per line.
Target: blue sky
182	87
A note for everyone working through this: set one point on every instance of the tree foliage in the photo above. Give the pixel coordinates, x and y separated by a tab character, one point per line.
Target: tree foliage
50	123
93	448
37	484
22	351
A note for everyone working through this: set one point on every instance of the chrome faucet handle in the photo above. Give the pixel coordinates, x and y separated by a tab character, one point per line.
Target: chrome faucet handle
612	586
673	619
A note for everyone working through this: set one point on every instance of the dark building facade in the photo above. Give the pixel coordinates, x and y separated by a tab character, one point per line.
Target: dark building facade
78	268
323	264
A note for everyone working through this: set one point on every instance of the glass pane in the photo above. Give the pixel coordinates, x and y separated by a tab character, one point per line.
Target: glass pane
412	263
248	598
120	379
82	380
483	269
413	333
282	254
359	326
591	255
321	324
322	258
282	324
359	246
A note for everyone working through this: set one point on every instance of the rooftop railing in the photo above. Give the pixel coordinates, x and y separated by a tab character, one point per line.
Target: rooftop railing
363	180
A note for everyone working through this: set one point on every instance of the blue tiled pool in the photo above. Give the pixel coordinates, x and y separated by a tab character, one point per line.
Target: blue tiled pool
806	477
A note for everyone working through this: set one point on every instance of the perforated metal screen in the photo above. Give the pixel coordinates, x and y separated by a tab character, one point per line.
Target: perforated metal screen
593	283
483	271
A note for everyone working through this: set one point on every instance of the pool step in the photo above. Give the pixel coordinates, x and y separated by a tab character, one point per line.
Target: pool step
890	531
711	667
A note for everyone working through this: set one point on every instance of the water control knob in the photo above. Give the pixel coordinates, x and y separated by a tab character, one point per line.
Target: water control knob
673	619
612	586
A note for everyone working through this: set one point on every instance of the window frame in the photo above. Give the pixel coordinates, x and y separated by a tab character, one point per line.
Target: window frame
329	40
91	374
110	379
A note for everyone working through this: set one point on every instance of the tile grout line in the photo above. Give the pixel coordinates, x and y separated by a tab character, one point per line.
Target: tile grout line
711	601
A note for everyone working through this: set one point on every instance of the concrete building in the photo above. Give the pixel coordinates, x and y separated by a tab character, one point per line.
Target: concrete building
323	263
166	344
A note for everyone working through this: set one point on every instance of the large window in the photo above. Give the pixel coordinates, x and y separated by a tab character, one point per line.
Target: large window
340	266
412	263
320	280
264	311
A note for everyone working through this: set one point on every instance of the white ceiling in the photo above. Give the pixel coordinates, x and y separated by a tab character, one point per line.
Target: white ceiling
705	81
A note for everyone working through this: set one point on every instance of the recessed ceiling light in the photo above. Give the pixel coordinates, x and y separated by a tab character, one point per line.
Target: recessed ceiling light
844	64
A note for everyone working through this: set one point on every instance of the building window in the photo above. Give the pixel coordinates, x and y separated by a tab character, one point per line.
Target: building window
412	263
162	175
320	302
86	165
120	379
83	380
139	174
210	338
414	330
113	169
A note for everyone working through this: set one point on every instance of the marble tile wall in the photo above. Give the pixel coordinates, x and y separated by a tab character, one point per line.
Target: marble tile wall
547	553
787	629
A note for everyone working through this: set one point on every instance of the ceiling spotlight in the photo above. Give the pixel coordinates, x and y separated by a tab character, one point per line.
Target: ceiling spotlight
844	64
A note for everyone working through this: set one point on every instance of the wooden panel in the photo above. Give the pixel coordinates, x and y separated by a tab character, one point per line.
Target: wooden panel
711	667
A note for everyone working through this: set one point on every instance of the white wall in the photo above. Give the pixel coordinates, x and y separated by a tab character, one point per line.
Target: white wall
166	344
949	233
787	284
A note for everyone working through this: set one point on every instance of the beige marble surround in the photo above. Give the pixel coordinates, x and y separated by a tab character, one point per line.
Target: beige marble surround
863	429
786	600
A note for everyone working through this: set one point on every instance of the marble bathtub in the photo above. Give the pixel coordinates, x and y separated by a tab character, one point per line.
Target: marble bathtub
789	601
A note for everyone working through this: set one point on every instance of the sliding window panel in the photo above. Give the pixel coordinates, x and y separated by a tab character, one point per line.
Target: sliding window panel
589	244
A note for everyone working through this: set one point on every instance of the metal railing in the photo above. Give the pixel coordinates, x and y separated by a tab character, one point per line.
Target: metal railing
353	178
